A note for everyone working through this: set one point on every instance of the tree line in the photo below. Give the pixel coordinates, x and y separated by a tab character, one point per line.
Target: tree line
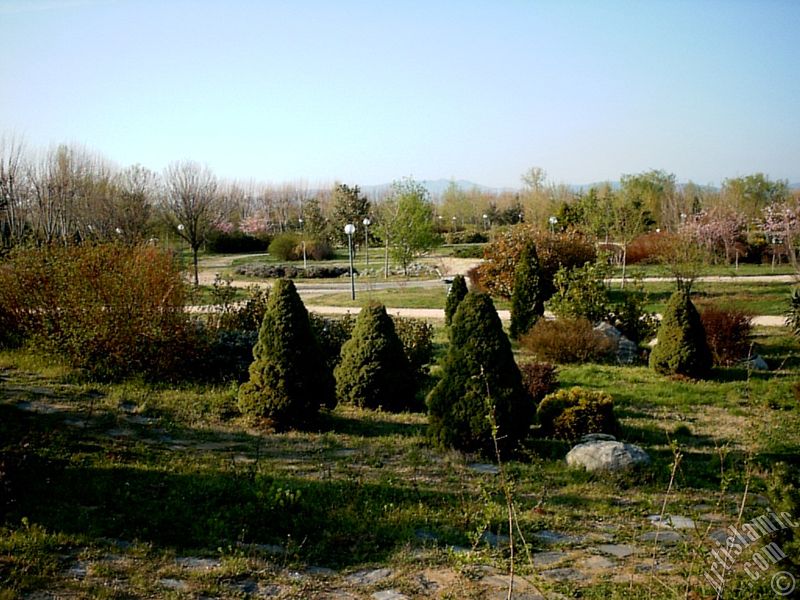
69	195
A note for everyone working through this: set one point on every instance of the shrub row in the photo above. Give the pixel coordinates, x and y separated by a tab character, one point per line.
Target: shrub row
112	310
291	272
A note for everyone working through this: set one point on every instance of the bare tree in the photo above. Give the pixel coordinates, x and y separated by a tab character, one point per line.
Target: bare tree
12	190
190	204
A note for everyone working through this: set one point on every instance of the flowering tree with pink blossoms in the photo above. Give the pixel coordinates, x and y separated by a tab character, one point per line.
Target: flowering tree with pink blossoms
717	229
781	222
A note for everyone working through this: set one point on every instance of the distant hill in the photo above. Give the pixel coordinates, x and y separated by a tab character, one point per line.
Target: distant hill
436	187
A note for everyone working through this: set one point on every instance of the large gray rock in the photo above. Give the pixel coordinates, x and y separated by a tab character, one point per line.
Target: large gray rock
627	352
606	455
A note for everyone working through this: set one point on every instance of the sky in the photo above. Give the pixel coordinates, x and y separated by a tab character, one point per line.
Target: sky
369	92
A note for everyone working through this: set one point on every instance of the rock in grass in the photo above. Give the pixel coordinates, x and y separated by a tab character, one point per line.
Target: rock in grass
607	455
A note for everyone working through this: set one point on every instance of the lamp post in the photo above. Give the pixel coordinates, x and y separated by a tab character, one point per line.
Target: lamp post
485	221
366	223
350	229
552	221
454	224
303	237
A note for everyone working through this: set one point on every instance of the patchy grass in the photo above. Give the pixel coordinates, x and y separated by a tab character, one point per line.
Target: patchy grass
758	298
108	488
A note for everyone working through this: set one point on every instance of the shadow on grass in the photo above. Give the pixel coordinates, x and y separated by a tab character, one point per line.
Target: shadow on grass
86	490
369	426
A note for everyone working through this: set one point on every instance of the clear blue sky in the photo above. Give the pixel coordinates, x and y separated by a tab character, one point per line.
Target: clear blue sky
367	92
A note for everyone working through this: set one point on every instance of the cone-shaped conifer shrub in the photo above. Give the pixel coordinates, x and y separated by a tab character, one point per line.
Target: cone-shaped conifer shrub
479	371
682	348
526	299
458	289
288	377
374	370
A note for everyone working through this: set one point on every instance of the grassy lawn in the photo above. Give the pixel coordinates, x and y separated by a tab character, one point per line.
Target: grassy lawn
758	298
744	270
116	490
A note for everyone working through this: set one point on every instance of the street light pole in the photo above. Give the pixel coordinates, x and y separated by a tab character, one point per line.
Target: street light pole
366	223
350	229
303	235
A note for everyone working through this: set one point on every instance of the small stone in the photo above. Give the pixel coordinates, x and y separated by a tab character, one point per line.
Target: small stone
597	563
389	595
425	536
369	576
315	571
720	535
173	584
607	456
194	563
617	550
119	433
484	468
756	363
563	574
554	537
657	567
495	540
667	538
671	522
140	420
78	570
545	559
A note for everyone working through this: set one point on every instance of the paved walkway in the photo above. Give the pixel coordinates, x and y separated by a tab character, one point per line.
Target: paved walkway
505	315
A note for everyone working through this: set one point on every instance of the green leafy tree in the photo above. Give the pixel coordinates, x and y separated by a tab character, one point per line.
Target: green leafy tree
349	206
479	378
457	292
527	304
630	218
280	387
682	348
581	292
412	230
374	371
751	194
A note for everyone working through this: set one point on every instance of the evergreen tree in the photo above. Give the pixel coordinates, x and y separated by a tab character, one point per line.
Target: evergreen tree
458	289
288	378
374	370
526	298
682	348
478	374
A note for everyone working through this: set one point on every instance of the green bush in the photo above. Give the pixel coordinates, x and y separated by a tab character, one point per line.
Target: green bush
471	251
456	293
284	247
527	302
416	337
468	236
316	250
539	379
728	333
581	292
793	314
570	414
289	379
567	341
235	242
112	310
682	348
632	319
479	378
374	371
332	333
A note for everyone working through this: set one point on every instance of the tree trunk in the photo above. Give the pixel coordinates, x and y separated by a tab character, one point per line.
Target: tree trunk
194	261
624	264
